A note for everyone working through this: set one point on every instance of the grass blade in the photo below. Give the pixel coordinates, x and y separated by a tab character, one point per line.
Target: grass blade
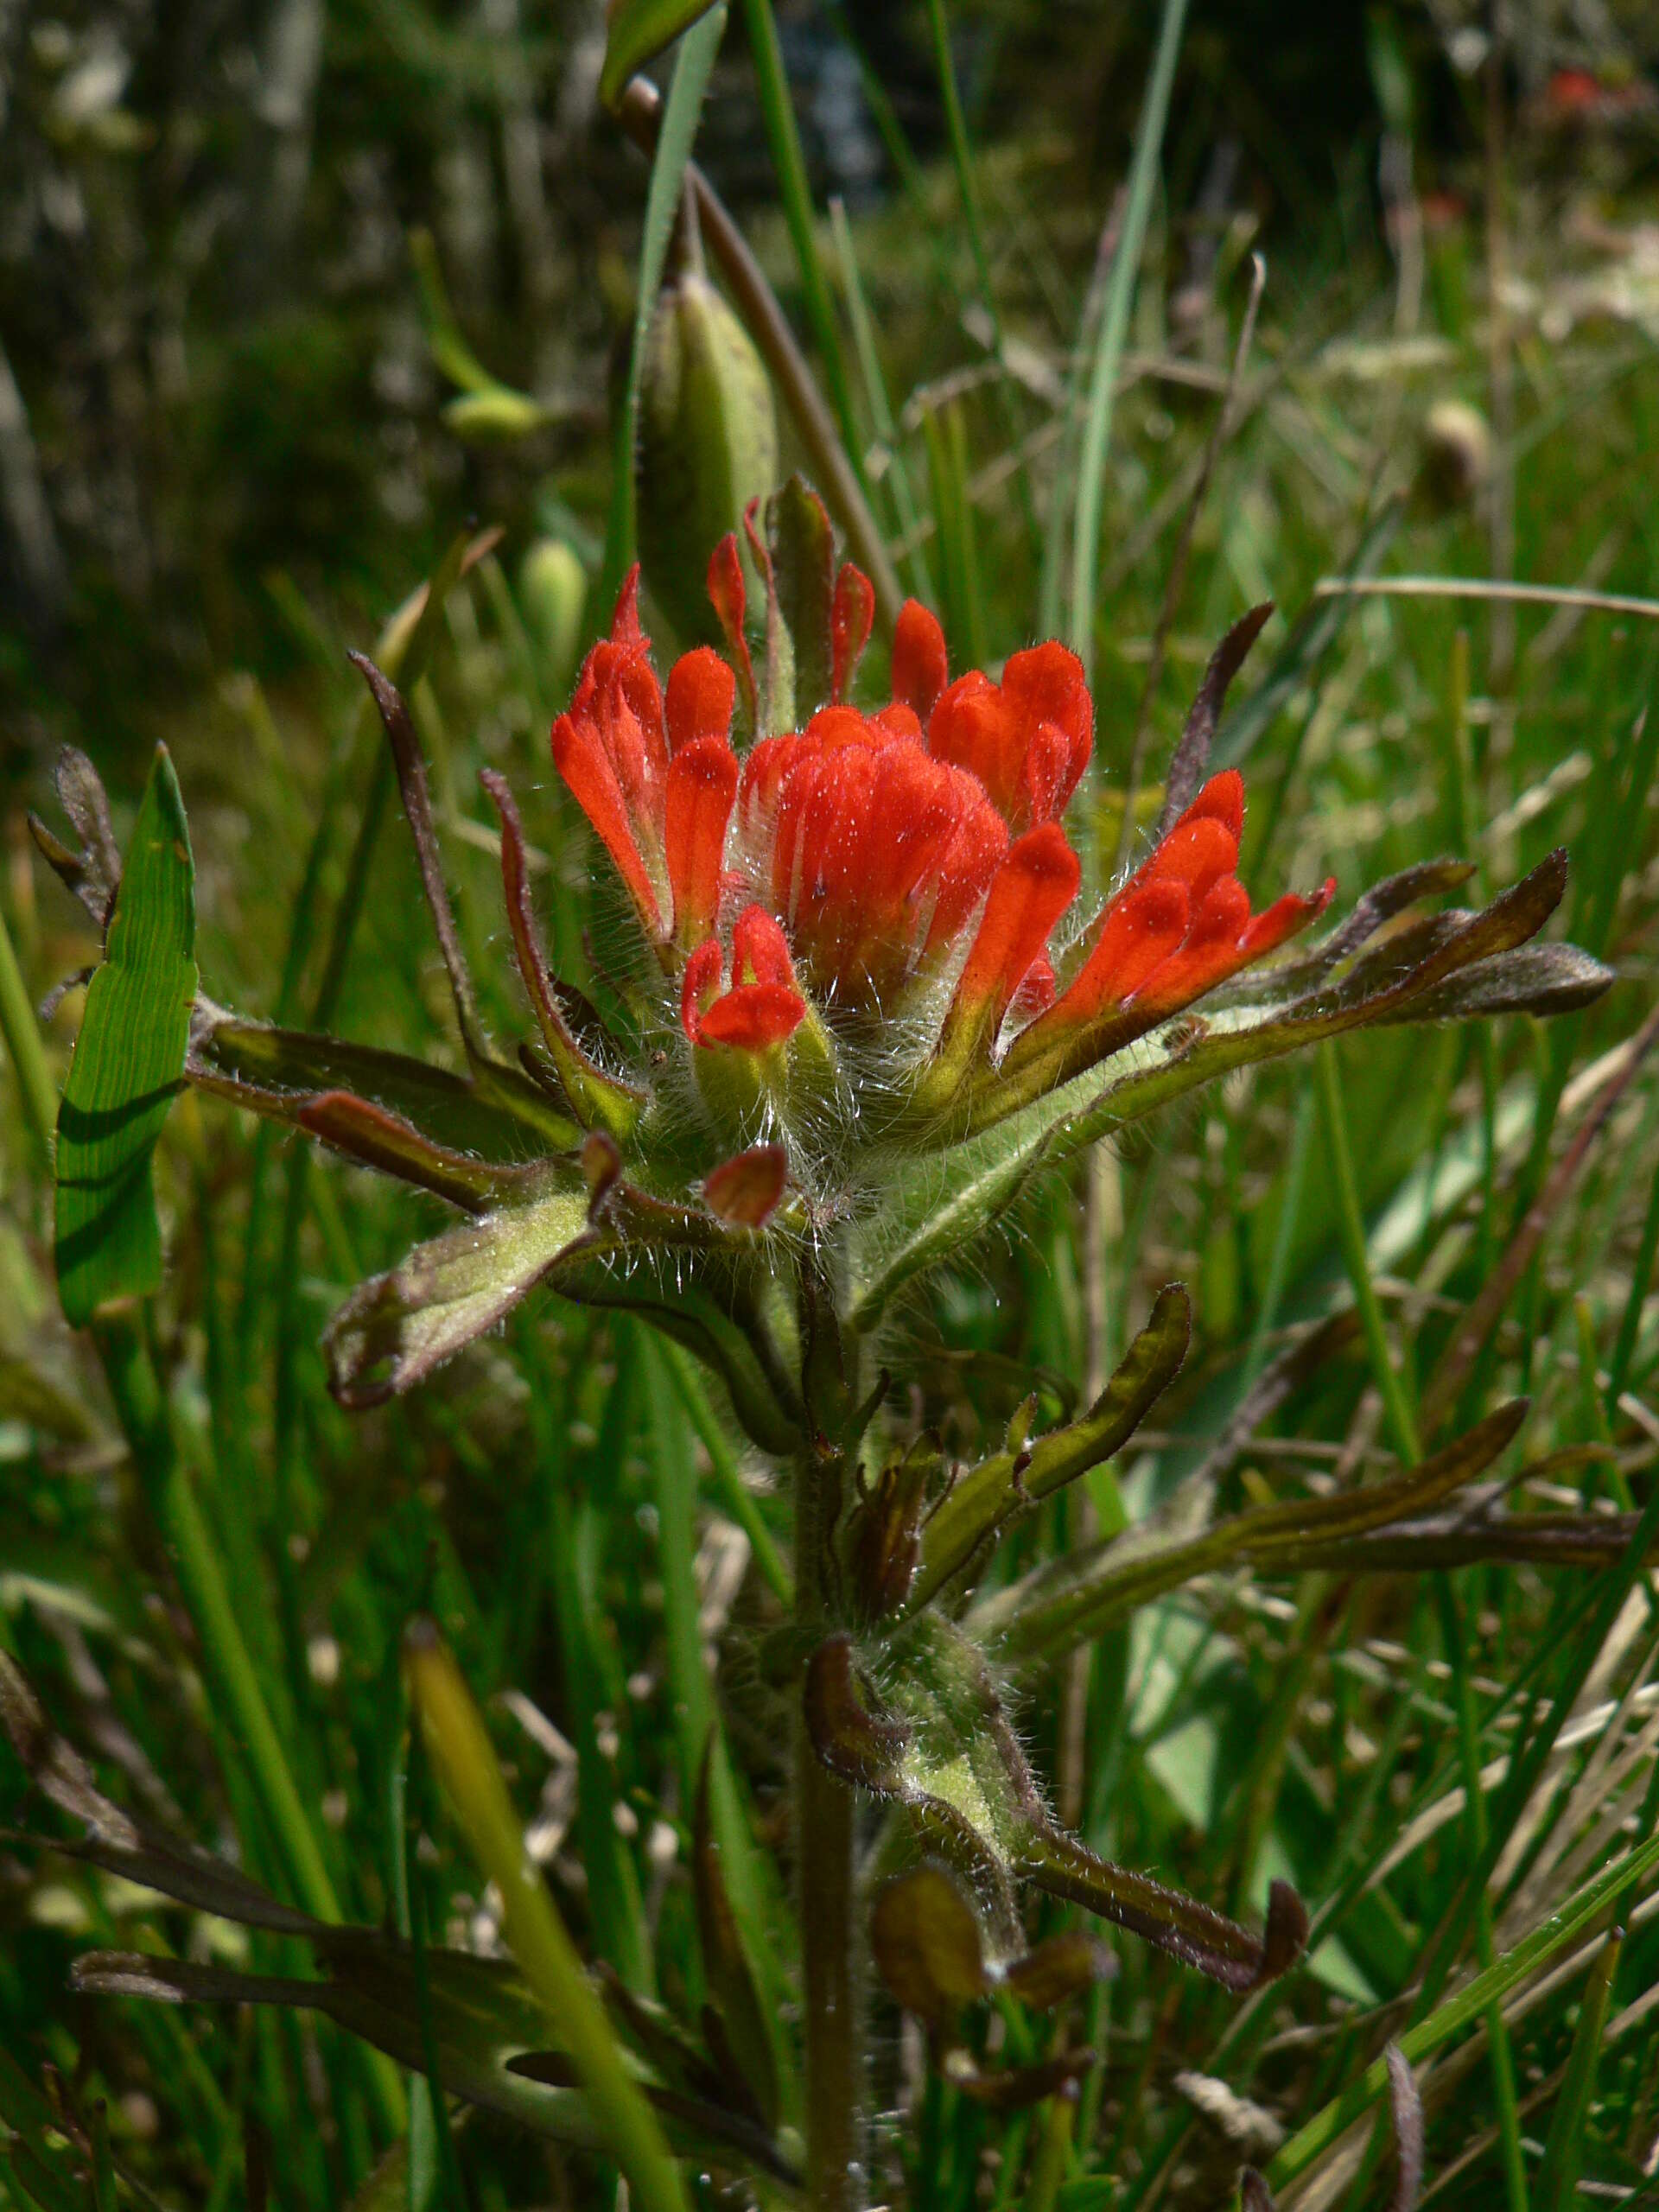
1114	331
1556	1934
465	1766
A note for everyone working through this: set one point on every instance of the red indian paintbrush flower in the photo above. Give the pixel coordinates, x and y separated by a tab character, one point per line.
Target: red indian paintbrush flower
870	943
903	870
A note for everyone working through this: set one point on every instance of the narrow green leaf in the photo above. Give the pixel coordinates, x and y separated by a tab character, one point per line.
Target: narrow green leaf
802	545
987	1497
129	1063
472	1781
1563	1927
280	1072
1114	331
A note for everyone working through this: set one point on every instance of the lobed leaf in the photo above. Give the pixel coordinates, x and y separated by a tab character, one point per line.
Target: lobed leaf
1192	754
1058	1606
943	1748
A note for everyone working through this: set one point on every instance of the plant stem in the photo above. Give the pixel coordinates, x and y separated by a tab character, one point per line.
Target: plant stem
824	1811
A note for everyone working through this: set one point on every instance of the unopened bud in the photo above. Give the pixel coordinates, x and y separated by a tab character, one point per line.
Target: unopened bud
707	446
1457	452
553	592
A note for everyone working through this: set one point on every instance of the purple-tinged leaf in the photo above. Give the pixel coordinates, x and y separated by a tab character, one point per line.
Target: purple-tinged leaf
1074	1598
278	1072
1495	1291
848	1730
375	1138
925	1938
1197	734
1538	979
1015	2089
418	809
883	1542
746	1192
1406	2107
1195	1934
928	1947
1062	1966
93	873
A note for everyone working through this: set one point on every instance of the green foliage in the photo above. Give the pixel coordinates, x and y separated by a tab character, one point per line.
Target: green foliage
1265	1692
128	1065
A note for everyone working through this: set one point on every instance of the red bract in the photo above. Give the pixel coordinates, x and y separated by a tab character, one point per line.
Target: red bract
868	856
1181	924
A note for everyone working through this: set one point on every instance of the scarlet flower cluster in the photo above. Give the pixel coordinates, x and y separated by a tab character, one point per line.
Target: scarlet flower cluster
870	864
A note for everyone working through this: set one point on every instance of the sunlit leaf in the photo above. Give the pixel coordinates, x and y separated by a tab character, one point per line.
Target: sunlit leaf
129	1064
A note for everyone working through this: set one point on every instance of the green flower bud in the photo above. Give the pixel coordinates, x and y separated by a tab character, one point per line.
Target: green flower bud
707	446
553	592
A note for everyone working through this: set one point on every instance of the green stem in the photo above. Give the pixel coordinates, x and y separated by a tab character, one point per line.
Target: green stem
23	1035
1395	1403
824	1814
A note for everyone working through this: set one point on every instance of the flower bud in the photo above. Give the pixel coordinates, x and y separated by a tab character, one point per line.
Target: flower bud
553	591
707	446
1457	448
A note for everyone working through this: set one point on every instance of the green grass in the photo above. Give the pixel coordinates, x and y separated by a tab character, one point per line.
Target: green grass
555	1504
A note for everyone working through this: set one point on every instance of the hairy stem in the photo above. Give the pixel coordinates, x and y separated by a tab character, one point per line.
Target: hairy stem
824	1811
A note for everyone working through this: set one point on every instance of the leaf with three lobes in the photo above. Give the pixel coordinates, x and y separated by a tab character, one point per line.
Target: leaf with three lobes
129	1064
